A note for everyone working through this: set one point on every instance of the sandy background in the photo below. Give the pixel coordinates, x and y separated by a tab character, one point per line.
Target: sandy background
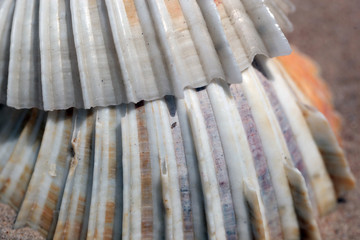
329	32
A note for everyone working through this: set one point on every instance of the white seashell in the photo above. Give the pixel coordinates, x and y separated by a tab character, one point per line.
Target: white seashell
98	53
325	139
236	161
280	9
237	151
6	16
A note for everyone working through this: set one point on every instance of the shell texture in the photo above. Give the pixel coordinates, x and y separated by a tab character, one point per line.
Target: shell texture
65	53
238	161
167	123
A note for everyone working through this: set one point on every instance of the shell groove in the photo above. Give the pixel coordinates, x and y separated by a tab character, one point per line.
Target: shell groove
236	161
66	53
236	152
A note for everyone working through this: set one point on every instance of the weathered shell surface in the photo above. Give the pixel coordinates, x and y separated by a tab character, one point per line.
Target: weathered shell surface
226	162
60	54
249	160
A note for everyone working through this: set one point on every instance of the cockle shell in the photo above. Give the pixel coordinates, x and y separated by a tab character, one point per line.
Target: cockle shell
60	54
240	161
236	152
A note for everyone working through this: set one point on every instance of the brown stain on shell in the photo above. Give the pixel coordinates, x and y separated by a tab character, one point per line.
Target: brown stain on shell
131	13
174	9
146	178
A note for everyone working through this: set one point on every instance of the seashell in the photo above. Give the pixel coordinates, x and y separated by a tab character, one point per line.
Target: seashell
100	53
238	151
227	161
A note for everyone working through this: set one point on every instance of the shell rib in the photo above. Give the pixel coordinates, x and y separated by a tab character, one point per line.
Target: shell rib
321	131
10	132
66	53
44	192
225	162
234	150
280	9
333	155
107	153
24	87
74	201
6	16
306	157
20	164
60	80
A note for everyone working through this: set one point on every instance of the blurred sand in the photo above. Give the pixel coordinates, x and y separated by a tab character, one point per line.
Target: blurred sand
329	32
7	218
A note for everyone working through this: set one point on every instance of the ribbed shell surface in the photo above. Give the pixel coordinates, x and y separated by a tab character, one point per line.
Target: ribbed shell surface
236	161
236	152
67	53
